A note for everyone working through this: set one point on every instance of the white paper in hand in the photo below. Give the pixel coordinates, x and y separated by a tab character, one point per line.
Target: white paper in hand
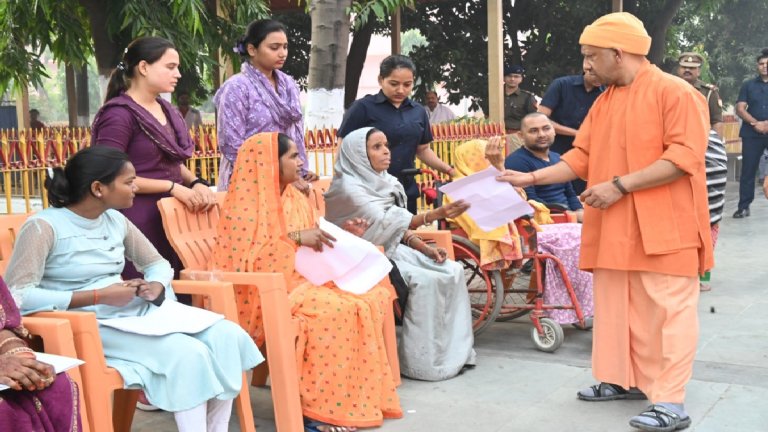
170	317
354	264
492	203
59	363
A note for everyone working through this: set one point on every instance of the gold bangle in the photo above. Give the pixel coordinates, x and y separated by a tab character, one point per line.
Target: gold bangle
295	236
424	218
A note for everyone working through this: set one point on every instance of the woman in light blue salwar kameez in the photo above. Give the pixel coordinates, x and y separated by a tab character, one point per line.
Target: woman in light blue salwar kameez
70	257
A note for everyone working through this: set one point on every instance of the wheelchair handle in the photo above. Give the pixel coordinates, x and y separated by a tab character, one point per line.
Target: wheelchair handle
410	172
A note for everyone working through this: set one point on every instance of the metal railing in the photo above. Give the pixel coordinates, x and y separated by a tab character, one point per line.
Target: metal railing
26	154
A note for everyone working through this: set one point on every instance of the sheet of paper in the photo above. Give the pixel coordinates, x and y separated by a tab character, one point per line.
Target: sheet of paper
354	264
170	317
492	203
59	363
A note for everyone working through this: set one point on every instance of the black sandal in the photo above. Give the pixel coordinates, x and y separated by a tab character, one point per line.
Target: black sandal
608	392
668	420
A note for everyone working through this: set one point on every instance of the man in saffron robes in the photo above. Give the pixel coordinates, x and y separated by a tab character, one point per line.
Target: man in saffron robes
646	233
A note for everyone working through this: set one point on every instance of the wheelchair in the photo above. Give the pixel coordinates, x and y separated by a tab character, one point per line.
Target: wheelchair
513	292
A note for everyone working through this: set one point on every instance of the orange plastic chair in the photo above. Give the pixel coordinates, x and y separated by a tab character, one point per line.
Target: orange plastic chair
9	228
57	339
102	382
319	187
193	236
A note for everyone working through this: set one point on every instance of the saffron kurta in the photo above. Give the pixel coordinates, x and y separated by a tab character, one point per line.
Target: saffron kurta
344	372
664	229
647	248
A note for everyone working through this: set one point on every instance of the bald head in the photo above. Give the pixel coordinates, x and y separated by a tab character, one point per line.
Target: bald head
530	117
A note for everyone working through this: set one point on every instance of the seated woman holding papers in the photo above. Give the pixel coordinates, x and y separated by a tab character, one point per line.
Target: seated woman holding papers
346	380
437	334
70	256
36	398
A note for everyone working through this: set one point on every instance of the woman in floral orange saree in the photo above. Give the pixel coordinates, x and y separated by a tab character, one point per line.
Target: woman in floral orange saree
345	377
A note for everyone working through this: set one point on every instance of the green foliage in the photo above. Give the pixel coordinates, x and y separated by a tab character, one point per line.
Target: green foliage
380	9
457	51
543	36
730	35
30	27
410	40
63	26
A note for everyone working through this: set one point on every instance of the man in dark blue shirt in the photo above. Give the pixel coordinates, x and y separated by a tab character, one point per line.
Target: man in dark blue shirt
752	107
567	102
538	134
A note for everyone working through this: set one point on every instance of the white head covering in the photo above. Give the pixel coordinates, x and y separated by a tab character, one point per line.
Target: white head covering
357	191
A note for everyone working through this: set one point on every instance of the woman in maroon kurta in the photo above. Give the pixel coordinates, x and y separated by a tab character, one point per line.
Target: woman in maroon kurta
153	133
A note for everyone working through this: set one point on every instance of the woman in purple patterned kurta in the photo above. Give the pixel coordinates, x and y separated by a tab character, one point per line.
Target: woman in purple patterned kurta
135	120
261	98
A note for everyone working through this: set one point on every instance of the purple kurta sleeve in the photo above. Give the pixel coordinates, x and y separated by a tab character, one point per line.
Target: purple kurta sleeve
114	128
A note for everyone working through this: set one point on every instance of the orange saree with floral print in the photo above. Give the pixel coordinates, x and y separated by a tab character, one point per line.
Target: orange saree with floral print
345	377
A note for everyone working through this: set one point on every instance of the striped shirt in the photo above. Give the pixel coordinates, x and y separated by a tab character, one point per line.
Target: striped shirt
716	161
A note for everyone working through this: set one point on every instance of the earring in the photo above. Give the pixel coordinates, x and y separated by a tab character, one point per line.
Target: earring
98	195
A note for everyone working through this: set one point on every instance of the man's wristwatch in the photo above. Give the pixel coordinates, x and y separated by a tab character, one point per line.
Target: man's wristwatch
199	181
617	182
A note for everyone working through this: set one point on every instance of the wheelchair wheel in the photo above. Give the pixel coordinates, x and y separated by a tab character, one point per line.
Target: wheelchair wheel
518	279
551	338
485	288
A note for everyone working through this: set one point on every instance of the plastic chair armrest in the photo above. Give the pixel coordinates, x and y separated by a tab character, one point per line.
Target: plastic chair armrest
442	239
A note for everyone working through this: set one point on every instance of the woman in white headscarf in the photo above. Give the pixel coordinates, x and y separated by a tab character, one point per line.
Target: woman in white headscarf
437	321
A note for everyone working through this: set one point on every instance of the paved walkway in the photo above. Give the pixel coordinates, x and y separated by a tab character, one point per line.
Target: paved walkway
517	388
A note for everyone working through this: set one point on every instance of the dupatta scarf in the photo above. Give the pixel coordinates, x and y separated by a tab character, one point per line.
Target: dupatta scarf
251	235
177	147
358	191
282	105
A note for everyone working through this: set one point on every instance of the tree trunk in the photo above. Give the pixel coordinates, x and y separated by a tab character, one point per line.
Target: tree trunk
658	30
71	95
327	63
105	47
83	101
358	50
